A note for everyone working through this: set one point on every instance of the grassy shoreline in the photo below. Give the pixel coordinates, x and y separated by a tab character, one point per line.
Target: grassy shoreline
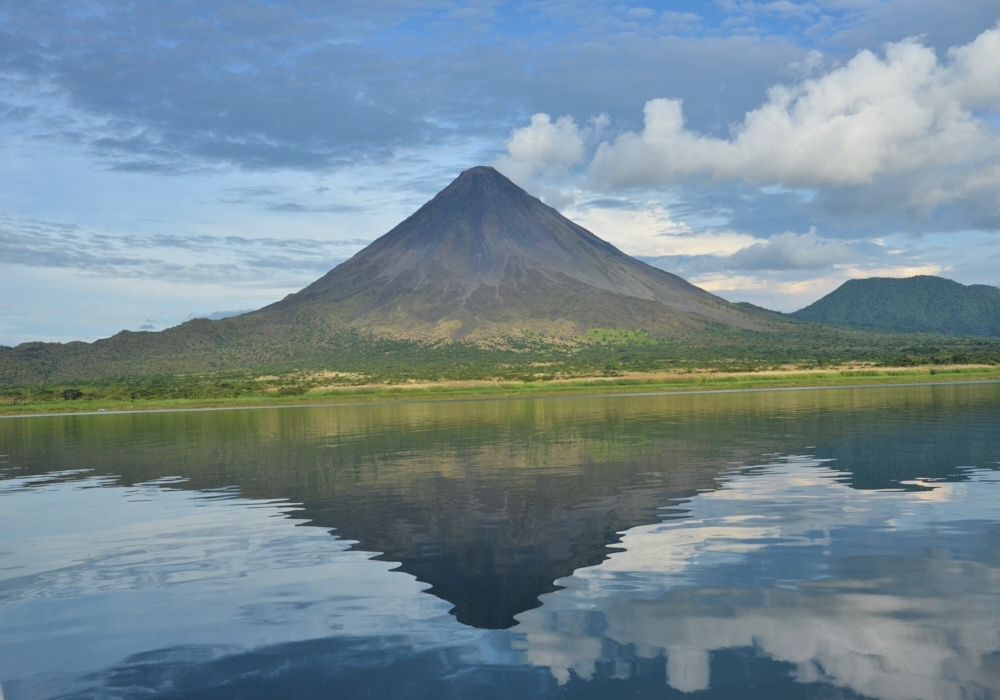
453	390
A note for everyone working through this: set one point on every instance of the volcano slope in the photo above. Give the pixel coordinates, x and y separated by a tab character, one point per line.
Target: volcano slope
484	259
481	262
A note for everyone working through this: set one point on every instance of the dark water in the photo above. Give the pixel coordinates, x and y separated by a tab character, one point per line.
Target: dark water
816	544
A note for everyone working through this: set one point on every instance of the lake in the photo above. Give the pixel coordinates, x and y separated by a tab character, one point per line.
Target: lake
792	544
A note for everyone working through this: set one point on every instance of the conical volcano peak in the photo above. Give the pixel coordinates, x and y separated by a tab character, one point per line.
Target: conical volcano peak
486	186
481	173
485	256
484	176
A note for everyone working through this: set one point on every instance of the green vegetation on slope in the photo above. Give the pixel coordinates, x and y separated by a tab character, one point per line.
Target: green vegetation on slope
291	369
139	358
921	304
616	336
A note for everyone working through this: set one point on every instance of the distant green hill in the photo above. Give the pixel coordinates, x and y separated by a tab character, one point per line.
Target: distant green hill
922	304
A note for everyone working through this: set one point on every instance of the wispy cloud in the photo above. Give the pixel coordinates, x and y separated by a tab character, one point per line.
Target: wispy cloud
790	251
278	198
176	258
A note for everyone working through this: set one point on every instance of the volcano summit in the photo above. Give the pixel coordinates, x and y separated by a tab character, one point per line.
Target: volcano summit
484	258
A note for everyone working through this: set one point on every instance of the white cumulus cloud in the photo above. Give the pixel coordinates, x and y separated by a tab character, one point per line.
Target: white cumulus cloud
542	146
547	147
904	115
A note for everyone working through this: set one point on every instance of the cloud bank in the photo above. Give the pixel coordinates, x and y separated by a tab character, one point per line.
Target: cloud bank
900	114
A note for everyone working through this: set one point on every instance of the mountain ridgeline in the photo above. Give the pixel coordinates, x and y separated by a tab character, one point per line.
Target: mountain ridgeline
922	304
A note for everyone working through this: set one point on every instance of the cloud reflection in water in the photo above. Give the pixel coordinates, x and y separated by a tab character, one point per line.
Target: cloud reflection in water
119	592
890	594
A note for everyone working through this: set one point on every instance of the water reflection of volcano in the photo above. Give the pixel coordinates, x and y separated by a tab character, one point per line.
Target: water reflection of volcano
492	502
886	594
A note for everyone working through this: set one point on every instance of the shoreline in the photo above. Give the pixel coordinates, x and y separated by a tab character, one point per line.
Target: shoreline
593	387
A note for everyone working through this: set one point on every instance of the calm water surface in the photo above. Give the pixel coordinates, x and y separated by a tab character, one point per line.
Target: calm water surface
815	544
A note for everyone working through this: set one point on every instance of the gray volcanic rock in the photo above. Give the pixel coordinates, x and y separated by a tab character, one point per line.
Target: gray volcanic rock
484	257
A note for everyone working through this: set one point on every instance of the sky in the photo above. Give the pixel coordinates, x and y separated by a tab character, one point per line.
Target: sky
166	160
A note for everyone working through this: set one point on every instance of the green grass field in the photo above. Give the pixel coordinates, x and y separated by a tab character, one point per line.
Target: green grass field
28	404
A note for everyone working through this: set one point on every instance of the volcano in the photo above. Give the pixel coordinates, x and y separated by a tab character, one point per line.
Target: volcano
484	258
483	262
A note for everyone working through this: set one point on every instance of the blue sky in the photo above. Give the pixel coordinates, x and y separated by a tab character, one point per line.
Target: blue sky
165	160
